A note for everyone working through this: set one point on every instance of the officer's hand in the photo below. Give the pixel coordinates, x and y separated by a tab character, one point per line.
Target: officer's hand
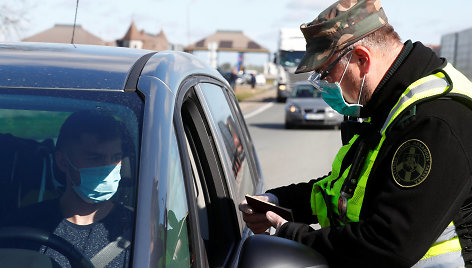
275	220
257	222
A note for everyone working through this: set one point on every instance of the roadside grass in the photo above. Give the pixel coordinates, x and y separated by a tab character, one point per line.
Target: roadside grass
244	92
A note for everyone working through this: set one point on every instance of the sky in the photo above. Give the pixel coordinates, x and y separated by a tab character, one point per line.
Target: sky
187	21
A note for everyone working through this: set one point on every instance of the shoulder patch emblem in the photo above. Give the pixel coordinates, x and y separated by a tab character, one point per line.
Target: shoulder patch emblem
411	163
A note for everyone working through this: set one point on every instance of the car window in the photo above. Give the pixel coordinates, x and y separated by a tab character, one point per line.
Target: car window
290	58
177	243
306	91
33	184
216	213
229	138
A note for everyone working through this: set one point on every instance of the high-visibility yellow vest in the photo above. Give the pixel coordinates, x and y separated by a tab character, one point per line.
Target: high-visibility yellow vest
326	197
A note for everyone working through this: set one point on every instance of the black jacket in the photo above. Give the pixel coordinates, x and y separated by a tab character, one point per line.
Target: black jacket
398	225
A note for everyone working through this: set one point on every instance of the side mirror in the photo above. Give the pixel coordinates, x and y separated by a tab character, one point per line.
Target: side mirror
272	251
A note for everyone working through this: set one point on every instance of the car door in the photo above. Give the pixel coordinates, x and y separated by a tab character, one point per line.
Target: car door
222	168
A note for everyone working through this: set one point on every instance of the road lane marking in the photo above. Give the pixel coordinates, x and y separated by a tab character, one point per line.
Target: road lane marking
258	110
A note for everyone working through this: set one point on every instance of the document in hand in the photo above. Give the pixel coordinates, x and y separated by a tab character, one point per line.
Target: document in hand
263	206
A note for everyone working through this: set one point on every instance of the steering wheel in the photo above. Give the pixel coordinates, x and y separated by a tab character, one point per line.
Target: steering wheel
76	259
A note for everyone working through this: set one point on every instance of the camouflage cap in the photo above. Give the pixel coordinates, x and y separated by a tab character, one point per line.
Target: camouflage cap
340	25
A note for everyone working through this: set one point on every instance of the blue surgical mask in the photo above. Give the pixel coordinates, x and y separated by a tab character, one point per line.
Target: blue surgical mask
333	96
97	184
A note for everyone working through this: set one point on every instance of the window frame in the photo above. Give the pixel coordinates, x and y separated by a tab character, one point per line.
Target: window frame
243	135
233	217
255	169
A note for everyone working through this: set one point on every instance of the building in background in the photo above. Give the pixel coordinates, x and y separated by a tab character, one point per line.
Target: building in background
62	33
457	49
227	41
142	40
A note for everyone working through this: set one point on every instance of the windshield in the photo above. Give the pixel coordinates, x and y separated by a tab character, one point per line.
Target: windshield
69	168
290	58
306	91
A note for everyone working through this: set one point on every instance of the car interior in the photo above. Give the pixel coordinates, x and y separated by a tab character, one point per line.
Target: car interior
22	162
29	175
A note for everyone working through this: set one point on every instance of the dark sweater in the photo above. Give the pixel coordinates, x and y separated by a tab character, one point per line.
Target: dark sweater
87	239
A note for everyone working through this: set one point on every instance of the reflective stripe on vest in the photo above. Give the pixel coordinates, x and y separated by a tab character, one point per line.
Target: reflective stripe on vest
326	192
445	252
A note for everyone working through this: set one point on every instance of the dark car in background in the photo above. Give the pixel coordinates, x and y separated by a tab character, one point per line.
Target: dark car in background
188	164
305	107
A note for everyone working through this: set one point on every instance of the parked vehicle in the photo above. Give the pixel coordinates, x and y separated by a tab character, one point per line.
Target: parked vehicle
290	51
306	108
187	164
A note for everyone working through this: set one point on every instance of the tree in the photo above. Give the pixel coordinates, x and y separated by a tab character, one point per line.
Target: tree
12	16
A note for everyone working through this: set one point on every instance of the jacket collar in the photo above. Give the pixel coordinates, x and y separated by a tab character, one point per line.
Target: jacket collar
414	62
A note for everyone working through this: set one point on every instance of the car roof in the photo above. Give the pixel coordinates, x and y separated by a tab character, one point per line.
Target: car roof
45	65
69	66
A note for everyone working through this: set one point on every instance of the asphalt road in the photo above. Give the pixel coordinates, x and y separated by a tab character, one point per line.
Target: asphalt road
288	156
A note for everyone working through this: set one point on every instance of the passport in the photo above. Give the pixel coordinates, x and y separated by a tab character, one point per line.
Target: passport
262	207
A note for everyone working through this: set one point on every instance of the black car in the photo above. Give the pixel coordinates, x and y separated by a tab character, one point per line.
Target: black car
187	164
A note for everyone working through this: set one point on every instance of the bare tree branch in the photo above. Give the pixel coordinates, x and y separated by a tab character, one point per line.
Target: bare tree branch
13	15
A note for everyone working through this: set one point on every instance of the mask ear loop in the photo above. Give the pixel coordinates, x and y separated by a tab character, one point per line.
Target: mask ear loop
345	69
72	165
76	169
360	92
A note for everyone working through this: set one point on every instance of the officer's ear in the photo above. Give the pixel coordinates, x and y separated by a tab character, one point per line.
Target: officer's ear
363	57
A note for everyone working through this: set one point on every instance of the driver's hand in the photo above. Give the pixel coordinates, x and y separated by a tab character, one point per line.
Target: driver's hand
257	222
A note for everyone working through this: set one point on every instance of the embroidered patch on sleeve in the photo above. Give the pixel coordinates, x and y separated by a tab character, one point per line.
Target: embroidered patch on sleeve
411	163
